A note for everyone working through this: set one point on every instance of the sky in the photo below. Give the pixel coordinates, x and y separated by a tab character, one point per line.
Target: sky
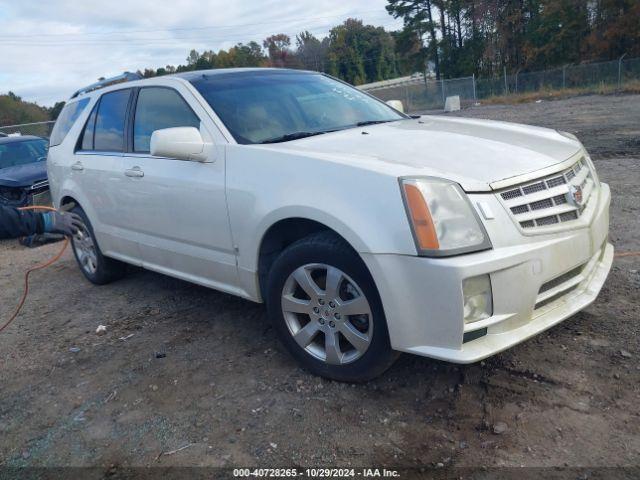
51	48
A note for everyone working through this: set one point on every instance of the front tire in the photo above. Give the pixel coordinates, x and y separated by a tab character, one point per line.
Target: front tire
97	268
327	311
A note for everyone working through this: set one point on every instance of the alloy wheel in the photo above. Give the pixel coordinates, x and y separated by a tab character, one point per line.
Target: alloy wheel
327	313
86	251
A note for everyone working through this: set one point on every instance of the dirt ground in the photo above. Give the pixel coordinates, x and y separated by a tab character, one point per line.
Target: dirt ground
183	366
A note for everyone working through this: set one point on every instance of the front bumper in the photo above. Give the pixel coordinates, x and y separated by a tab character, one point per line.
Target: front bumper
536	284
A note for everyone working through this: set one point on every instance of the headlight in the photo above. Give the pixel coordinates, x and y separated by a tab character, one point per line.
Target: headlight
12	195
442	219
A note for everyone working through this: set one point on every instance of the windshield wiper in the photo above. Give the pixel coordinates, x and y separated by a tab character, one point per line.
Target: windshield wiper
372	122
292	136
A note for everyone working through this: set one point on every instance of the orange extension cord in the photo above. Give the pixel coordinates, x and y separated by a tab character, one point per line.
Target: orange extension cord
33	269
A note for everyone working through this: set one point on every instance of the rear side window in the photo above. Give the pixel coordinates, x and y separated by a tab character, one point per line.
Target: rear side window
108	135
89	128
159	108
66	119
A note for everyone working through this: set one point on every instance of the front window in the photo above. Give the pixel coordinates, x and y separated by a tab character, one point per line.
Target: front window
159	108
272	106
23	152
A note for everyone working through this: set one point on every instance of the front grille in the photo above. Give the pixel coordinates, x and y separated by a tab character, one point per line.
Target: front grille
549	201
541	204
540	222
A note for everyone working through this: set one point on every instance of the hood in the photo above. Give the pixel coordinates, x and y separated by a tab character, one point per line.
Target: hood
474	153
23	175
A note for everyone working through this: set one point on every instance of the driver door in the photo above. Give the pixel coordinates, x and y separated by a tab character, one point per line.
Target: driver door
181	223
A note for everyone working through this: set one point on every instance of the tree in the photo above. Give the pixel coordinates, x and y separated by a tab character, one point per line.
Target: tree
361	53
461	37
418	17
193	58
14	110
311	52
278	48
555	35
55	110
249	55
617	29
411	56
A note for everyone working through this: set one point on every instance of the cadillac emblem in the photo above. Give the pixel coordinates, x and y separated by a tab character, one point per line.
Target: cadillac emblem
575	194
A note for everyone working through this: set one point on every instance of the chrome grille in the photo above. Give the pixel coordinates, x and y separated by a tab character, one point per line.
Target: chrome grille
549	201
565	217
40	185
540	204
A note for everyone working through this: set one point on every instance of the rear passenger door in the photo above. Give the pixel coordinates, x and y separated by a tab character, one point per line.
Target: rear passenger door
97	170
181	210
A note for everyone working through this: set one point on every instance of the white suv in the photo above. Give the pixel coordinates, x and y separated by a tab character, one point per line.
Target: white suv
365	231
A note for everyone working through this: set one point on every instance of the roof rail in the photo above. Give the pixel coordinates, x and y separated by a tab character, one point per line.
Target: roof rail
125	77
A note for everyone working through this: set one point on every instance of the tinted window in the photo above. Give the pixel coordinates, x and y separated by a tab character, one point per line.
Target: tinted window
66	119
87	134
159	108
265	106
20	153
109	129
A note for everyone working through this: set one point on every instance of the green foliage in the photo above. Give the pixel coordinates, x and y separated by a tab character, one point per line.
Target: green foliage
55	110
353	51
361	53
411	55
278	47
484	36
311	52
418	18
14	110
459	37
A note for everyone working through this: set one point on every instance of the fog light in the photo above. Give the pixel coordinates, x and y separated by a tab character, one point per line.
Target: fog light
478	301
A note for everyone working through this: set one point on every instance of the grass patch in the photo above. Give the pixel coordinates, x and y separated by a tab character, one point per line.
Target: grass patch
602	89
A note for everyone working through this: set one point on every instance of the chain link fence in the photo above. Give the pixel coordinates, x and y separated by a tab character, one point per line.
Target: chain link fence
39	129
420	94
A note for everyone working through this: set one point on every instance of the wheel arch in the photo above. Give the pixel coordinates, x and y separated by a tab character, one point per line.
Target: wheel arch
67	199
282	233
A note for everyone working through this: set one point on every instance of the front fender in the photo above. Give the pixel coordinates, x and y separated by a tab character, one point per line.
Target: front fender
309	213
265	186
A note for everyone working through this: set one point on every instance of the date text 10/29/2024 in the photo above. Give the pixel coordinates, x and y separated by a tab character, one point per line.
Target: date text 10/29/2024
315	472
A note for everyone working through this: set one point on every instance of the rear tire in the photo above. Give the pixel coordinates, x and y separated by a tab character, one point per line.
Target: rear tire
97	268
326	309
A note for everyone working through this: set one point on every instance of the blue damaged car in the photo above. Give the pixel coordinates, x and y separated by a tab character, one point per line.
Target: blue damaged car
23	171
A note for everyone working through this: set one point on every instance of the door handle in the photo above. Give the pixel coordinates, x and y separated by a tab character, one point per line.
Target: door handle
77	166
134	172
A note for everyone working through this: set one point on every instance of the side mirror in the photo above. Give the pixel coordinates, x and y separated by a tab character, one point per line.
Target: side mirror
396	104
182	143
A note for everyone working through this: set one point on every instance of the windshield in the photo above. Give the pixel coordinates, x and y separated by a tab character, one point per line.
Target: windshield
277	106
20	153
